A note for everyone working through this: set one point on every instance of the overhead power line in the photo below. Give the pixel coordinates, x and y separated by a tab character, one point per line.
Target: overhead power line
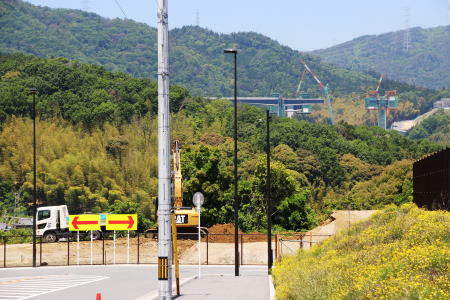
120	7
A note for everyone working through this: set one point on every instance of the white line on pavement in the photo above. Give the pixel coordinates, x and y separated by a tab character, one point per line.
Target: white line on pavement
28	287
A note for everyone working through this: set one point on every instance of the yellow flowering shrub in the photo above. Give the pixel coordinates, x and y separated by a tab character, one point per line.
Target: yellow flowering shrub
399	253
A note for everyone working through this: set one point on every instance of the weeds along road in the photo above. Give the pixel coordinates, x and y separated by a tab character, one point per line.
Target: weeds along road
121	282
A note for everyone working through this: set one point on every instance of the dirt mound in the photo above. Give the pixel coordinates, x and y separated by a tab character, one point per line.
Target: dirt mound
255	237
222	233
222	229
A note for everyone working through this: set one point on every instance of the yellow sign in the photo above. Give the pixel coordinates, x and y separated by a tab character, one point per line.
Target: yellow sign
84	222
121	222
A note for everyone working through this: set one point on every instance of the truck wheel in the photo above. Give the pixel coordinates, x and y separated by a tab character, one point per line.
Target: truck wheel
50	237
96	235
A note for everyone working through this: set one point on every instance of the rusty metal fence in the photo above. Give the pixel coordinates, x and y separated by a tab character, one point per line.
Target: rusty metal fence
431	181
216	249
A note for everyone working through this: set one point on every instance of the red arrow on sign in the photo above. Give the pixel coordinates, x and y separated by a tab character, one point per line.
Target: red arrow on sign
75	222
130	222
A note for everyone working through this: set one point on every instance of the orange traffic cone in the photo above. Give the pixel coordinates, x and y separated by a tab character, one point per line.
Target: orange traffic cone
99	296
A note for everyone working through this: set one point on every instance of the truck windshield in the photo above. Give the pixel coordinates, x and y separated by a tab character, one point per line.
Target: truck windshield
43	214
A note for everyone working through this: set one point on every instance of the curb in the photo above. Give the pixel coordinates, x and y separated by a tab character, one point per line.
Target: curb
153	295
271	289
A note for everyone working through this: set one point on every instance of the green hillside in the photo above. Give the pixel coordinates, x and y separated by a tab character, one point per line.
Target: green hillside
97	141
399	253
197	59
435	128
425	64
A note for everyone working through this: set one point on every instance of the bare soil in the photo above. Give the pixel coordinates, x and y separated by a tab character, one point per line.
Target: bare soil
224	233
218	250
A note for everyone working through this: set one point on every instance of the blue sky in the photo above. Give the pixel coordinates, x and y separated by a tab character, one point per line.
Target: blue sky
300	24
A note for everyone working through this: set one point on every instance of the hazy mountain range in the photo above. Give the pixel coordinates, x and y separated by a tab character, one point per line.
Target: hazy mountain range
197	60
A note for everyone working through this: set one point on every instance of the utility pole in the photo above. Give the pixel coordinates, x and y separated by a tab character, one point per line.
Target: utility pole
164	191
34	92
16	196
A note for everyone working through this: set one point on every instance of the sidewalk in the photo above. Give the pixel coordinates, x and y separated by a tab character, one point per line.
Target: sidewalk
227	287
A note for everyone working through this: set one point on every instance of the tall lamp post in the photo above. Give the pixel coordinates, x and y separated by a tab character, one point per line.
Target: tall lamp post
34	91
236	203
268	200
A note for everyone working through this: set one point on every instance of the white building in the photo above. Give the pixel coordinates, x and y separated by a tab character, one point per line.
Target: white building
443	103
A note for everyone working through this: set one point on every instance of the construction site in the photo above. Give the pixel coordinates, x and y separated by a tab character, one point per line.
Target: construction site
217	246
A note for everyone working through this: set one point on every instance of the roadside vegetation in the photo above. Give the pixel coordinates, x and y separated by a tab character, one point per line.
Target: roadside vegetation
434	128
399	253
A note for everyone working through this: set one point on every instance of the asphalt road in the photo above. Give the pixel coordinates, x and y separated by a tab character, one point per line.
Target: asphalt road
119	282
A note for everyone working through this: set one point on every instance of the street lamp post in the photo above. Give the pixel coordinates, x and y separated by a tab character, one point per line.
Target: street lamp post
33	91
268	200
236	203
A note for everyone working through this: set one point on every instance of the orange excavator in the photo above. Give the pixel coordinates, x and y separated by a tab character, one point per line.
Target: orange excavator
186	218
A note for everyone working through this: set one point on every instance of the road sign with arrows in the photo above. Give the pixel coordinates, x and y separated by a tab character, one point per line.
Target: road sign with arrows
121	222
84	222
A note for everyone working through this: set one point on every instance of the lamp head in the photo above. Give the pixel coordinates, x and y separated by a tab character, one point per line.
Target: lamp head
33	90
234	51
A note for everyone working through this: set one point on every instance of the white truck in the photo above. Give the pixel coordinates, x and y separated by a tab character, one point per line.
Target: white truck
52	223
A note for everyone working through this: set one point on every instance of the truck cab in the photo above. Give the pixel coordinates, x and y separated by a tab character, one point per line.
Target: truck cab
52	222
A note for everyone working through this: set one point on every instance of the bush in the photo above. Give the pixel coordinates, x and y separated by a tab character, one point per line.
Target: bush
399	253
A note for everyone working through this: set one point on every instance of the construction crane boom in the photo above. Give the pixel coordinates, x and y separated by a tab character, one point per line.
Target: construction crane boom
297	92
379	82
324	88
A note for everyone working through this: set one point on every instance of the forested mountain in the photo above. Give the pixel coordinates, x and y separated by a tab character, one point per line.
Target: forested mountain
426	63
97	149
197	60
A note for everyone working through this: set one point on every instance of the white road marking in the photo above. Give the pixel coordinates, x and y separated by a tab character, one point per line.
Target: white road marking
21	288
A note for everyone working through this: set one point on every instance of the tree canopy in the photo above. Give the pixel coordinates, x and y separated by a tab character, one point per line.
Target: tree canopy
97	150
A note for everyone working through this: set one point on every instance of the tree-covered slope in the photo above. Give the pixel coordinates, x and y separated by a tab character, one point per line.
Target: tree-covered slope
426	63
435	128
197	59
97	148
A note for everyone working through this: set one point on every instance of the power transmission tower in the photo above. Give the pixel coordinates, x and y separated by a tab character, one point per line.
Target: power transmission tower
86	5
448	12
407	37
197	16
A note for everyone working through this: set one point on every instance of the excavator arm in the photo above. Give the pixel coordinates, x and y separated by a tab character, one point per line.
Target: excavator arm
177	177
